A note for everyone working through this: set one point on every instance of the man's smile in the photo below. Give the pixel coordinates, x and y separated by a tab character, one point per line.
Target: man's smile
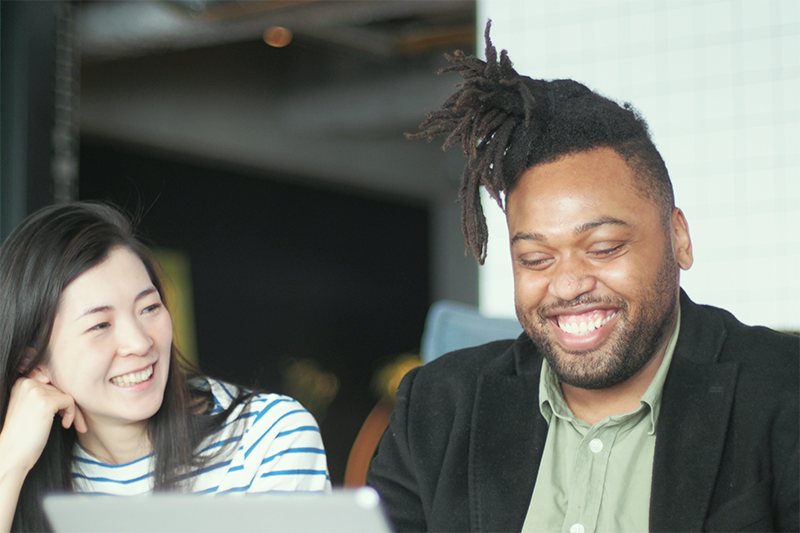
584	330
583	323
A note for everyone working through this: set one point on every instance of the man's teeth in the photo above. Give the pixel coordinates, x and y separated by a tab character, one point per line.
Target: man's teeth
133	378
582	328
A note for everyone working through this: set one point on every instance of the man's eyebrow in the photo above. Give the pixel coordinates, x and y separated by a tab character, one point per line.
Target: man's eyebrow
538	237
580	229
602	221
104	308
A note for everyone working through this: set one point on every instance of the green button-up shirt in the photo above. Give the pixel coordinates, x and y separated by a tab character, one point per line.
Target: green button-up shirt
596	478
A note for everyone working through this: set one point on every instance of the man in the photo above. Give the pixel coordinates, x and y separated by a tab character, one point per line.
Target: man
624	406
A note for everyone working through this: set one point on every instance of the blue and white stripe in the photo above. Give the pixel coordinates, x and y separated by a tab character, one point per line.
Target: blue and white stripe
273	445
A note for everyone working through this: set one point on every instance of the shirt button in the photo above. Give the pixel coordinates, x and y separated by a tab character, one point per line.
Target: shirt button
596	445
577	528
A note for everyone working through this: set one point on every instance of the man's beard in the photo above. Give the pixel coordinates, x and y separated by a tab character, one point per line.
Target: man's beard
627	350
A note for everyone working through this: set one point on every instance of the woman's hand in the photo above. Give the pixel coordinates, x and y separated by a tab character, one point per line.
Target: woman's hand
29	417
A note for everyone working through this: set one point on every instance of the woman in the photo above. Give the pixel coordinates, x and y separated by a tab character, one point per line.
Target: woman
84	334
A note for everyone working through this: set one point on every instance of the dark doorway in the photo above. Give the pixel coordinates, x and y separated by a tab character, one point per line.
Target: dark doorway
282	271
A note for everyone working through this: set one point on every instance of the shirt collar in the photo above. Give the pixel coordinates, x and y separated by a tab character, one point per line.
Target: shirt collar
552	402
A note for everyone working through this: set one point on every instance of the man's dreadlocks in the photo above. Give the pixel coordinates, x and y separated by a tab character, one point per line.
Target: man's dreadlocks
507	123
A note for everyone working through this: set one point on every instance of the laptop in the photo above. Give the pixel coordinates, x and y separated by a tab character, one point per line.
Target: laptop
345	510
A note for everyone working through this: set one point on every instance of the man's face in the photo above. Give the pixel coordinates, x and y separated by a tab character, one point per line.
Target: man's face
595	268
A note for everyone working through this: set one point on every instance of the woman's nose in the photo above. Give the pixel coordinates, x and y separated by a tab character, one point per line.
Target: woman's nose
133	338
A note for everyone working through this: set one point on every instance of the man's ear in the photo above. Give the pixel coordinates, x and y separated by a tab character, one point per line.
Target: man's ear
681	242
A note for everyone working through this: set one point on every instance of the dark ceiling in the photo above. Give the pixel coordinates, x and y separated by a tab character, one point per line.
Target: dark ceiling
333	105
372	30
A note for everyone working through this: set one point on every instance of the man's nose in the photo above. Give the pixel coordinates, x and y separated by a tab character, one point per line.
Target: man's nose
571	277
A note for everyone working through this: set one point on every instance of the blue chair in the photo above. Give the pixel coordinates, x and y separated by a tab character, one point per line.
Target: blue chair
454	325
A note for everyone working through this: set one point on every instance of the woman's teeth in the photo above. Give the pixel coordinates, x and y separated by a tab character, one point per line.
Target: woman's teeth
584	327
133	378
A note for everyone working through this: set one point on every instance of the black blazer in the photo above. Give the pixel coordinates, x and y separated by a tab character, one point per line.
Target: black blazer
463	447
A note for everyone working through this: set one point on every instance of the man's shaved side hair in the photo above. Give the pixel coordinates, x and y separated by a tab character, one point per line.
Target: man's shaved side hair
507	123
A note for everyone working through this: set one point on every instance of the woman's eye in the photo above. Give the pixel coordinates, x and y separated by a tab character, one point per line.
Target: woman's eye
101	325
151	308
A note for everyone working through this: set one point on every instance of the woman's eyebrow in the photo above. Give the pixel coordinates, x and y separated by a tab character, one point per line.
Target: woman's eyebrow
104	308
146	292
94	310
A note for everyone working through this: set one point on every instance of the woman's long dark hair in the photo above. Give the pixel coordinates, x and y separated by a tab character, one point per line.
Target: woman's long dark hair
43	255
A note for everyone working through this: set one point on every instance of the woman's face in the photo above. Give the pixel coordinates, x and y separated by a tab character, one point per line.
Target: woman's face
111	342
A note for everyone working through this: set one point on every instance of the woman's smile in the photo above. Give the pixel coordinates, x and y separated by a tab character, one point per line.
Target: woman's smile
133	378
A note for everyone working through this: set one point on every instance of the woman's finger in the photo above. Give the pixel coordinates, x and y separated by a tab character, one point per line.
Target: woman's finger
78	420
66	418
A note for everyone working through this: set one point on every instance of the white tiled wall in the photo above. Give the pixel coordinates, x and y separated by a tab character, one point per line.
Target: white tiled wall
719	83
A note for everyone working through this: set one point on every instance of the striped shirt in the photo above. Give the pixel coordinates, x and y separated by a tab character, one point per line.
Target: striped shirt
274	445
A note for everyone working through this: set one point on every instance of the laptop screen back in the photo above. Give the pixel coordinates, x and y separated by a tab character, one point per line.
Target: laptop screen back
342	511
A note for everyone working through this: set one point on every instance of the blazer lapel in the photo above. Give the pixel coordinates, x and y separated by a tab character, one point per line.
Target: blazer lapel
506	445
695	409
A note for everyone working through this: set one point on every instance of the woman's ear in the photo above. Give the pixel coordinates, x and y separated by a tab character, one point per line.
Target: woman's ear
40	373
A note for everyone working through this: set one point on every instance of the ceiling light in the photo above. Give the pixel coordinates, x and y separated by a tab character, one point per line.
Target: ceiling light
277	36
